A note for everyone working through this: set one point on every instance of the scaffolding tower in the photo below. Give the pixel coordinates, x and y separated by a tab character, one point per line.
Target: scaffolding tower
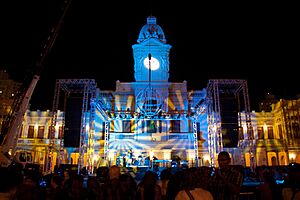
239	89
86	87
196	108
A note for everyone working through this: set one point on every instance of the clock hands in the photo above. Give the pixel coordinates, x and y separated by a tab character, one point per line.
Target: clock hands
149	58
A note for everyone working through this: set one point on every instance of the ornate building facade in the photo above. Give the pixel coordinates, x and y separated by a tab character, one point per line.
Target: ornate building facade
154	120
278	134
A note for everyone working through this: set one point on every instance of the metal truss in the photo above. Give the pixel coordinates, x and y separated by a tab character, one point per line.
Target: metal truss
239	89
86	87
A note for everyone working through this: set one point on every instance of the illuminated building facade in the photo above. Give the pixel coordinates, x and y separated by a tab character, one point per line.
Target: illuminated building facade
8	90
35	136
153	118
278	134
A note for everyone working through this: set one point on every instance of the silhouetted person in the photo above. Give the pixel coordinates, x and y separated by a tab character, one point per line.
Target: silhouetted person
226	182
190	189
165	176
268	189
292	190
148	189
28	190
174	184
128	186
93	190
112	188
56	189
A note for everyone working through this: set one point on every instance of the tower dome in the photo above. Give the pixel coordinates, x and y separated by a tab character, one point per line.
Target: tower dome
151	30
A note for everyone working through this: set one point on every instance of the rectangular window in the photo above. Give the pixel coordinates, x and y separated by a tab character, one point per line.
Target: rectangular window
270	133
175	126
241	133
260	132
22	131
251	135
30	132
126	125
41	131
151	126
60	132
280	131
295	127
51	133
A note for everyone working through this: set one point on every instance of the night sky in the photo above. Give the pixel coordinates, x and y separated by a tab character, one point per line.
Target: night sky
257	42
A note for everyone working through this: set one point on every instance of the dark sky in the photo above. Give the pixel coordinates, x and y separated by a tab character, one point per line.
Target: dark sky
257	42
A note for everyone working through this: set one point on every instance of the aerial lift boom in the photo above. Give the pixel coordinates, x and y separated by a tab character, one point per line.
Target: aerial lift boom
12	126
8	146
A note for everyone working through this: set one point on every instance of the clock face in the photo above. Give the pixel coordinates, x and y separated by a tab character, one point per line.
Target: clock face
153	64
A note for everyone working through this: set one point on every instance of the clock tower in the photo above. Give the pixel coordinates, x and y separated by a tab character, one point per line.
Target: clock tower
151	54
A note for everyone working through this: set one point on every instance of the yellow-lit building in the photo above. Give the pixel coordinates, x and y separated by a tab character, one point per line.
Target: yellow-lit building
8	91
278	136
35	137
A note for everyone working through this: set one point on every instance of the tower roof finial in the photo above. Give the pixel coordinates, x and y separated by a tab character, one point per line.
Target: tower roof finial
151	30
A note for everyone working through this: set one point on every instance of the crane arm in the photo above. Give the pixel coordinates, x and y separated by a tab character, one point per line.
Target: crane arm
11	130
11	138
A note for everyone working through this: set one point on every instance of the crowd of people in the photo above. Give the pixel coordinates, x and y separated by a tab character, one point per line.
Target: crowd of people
222	183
